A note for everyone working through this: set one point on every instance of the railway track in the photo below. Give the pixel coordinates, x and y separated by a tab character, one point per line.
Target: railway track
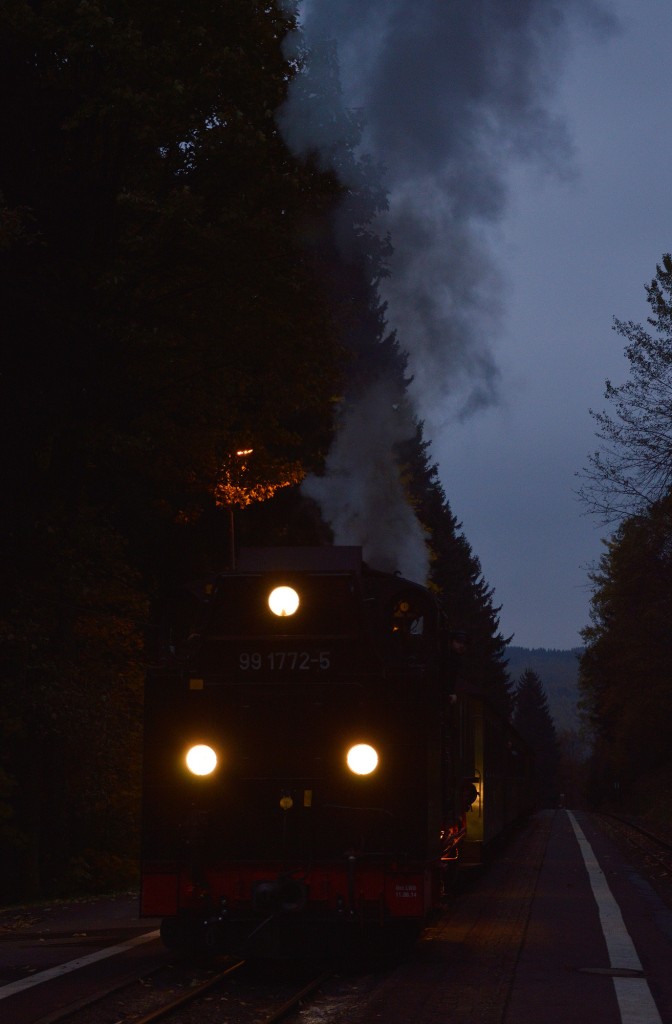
153	999
191	995
654	847
287	1004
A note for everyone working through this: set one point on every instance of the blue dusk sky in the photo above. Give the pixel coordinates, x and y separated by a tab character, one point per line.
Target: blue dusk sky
527	154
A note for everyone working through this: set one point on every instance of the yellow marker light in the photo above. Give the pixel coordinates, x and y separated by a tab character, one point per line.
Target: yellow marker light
283	601
201	760
362	759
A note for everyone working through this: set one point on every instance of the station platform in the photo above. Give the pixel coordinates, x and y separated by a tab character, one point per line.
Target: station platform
597	945
558	929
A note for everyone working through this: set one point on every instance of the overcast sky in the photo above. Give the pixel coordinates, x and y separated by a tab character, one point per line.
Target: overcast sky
527	149
574	254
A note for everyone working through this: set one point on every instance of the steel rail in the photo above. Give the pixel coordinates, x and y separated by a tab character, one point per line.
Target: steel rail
187	997
664	859
293	1001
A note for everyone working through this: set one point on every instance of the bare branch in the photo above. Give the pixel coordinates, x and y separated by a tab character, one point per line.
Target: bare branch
632	467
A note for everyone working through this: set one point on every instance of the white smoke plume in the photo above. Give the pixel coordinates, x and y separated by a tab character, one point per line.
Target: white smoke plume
361	494
451	93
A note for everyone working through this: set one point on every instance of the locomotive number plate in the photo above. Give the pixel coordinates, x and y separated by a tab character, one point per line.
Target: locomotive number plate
285	661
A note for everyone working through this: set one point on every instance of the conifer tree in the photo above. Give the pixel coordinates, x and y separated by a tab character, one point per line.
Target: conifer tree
160	311
625	668
456	576
534	722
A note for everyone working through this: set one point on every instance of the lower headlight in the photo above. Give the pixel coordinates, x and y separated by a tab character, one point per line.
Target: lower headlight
201	759
362	759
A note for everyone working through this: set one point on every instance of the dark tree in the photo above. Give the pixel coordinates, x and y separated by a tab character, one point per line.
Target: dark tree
456	575
534	722
625	669
632	468
160	307
177	286
161	311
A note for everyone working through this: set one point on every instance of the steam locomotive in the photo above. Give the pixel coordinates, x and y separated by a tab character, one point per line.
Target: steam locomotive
312	777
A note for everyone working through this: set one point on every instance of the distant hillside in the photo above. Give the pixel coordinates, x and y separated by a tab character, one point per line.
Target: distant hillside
559	674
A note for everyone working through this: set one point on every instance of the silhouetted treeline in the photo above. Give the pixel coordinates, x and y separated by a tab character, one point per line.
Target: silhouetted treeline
175	288
559	672
626	669
533	720
626	679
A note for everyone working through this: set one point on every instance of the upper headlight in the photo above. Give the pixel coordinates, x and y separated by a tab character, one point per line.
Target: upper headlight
201	759
283	601
362	759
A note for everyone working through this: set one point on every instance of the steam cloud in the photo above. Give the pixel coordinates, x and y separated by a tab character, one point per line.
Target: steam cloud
360	493
452	93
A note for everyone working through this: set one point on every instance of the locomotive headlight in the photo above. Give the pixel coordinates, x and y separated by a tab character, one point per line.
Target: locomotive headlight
201	759
283	601
362	759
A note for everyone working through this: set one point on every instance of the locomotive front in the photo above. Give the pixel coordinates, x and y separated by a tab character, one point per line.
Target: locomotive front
296	789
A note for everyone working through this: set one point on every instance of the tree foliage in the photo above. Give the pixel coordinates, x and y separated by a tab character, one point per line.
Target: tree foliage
457	578
177	286
162	307
161	310
625	669
632	468
533	720
71	687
